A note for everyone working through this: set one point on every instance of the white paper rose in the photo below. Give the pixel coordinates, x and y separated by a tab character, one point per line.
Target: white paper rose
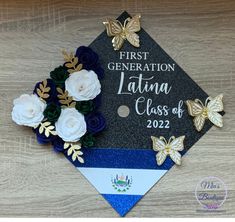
71	125
28	110
83	85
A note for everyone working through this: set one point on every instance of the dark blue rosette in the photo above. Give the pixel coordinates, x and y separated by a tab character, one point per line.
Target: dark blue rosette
58	144
90	60
95	122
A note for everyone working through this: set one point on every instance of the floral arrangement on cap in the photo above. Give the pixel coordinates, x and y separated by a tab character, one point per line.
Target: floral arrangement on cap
63	109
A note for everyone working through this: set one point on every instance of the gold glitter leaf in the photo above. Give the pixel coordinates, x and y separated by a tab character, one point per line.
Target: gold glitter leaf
47	128
67	57
43	90
65	99
59	90
75	61
71	62
79	67
70	150
72	105
74	150
70	71
69	65
41	130
66	145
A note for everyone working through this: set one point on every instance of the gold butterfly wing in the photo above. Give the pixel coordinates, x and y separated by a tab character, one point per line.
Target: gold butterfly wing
117	41
199	122
195	109
214	106
159	146
133	26
175	156
177	145
114	28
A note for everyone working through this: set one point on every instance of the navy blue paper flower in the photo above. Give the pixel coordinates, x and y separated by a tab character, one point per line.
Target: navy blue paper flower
89	60
58	144
95	122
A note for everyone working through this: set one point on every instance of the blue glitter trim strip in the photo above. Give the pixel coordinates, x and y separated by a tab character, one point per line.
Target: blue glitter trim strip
121	158
122	203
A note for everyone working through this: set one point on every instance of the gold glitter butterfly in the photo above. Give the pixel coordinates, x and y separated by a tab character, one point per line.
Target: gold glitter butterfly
171	148
210	110
127	31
